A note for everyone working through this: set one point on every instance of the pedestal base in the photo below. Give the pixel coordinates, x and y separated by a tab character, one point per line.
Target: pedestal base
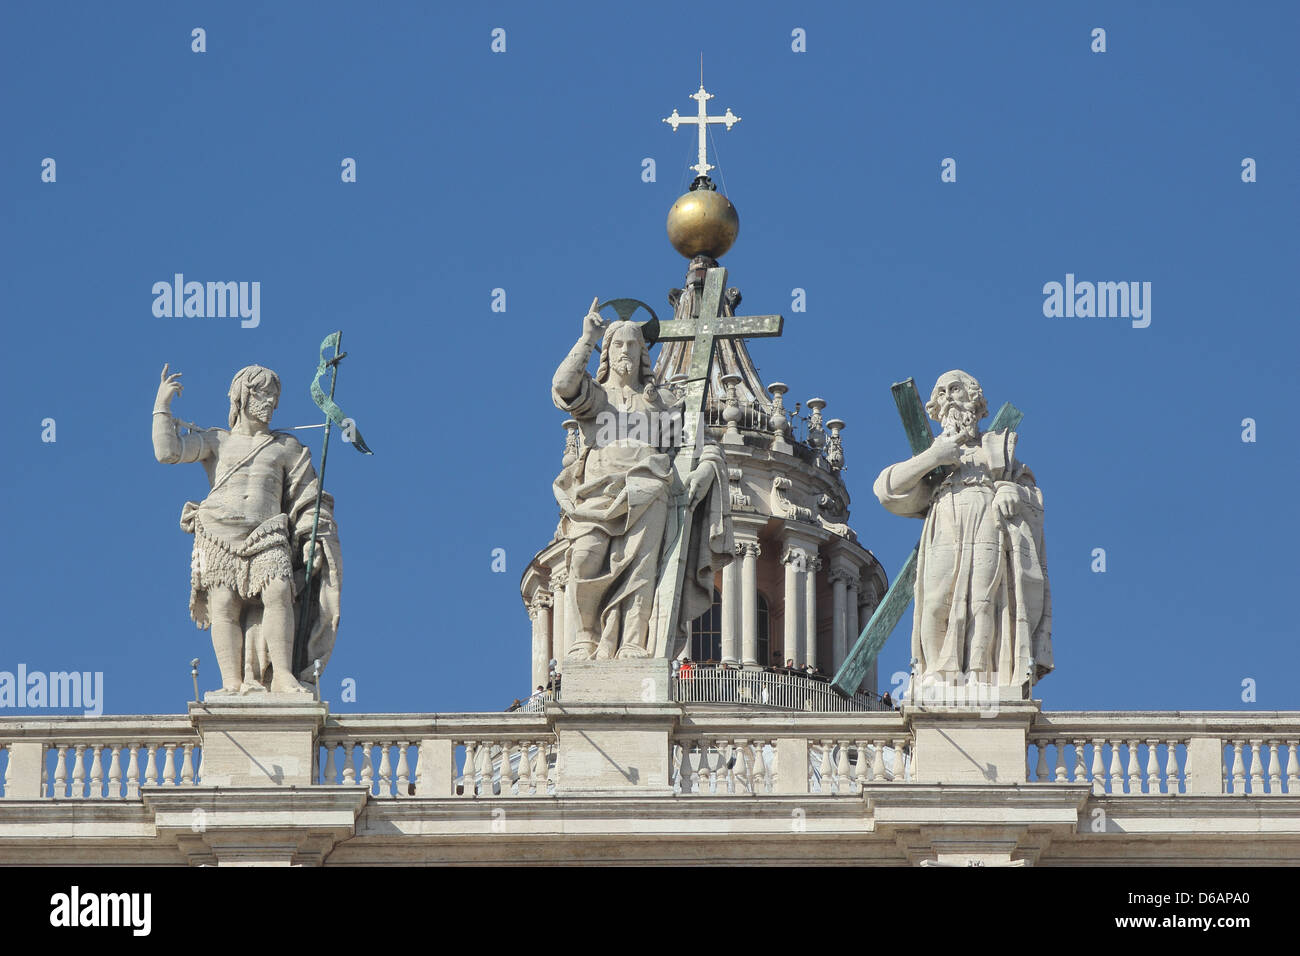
985	744
614	722
259	741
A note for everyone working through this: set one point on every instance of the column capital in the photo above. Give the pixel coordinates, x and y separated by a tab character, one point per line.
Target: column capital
800	558
559	579
848	575
541	599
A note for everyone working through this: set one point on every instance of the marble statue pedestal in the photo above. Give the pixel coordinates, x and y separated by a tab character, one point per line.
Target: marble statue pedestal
614	722
259	741
975	742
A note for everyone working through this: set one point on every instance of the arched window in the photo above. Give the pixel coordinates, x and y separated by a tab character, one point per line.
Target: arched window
706	632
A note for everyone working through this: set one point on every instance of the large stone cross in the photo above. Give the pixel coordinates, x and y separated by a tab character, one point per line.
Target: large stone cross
703	331
890	610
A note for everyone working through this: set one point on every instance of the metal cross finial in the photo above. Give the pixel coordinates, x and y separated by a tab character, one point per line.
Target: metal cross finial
702	120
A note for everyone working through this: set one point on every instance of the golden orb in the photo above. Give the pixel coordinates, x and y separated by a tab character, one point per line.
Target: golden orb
703	222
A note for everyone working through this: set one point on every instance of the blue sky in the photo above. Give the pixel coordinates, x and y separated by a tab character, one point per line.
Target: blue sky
522	170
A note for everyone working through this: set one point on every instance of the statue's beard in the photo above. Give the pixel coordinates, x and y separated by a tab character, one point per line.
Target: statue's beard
958	419
260	411
622	366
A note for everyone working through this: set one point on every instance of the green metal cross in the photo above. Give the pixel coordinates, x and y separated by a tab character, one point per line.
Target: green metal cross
703	331
890	610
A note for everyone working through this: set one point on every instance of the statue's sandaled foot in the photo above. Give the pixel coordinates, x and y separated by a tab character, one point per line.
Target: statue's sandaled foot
581	651
288	686
252	687
632	652
224	692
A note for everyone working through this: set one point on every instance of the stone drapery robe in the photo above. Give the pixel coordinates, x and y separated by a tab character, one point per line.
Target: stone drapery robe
628	489
973	563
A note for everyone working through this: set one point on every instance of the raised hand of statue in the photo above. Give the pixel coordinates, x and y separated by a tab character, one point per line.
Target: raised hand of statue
168	389
593	326
946	450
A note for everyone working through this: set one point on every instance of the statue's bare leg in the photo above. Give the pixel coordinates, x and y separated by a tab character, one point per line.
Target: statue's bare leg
277	630
587	561
224	606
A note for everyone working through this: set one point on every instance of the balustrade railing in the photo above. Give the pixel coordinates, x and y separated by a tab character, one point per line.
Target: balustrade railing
828	754
471	755
1136	753
103	758
763	688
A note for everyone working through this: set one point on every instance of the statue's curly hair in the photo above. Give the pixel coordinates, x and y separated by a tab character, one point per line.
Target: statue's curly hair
247	378
646	374
973	392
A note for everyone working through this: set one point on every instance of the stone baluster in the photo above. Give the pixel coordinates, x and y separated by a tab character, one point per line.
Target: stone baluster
367	767
169	766
900	767
78	773
1080	762
151	765
467	772
1134	768
1116	768
115	773
1040	771
1256	769
331	772
1274	769
132	771
525	769
97	771
403	769
1292	767
1060	761
1153	767
860	768
1098	766
878	760
1238	768
385	770
1172	775
843	782
61	772
187	766
542	769
349	763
